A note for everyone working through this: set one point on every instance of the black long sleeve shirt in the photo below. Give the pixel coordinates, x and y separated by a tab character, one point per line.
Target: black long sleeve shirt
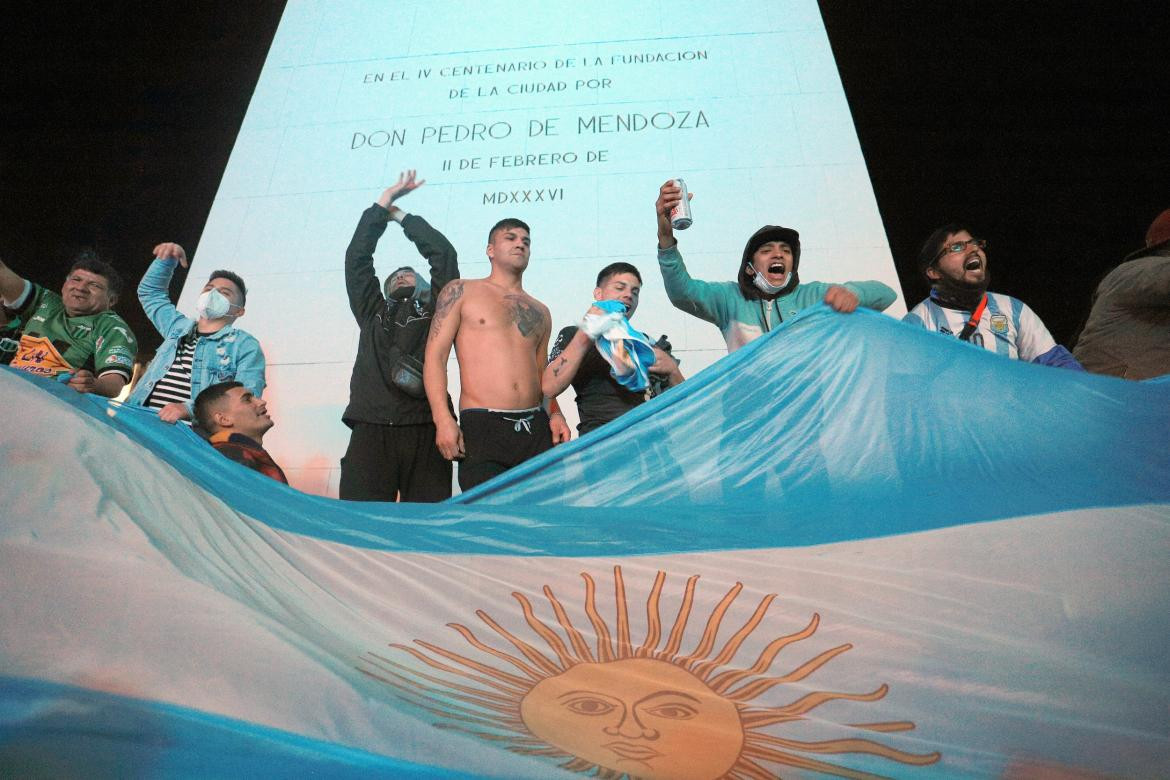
390	327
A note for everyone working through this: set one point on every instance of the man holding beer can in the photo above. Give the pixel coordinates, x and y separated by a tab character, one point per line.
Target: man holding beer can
767	288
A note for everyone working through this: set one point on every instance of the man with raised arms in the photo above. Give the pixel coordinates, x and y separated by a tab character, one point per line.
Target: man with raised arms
767	287
73	335
392	453
500	334
196	352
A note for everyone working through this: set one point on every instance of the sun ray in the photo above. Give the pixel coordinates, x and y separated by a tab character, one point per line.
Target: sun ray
544	632
759	718
578	641
448	689
544	751
604	649
453	713
807	703
530	652
578	765
471	716
714	621
438	680
891	726
853	745
724	681
490	737
504	677
503	709
750	770
430	697
622	614
703	670
484	681
478	644
754	689
801	762
680	620
653	621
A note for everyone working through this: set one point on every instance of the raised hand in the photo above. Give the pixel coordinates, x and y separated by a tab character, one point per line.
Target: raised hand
171	249
405	185
669	196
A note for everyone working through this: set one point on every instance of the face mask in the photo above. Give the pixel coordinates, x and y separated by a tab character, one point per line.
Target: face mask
406	291
765	287
212	305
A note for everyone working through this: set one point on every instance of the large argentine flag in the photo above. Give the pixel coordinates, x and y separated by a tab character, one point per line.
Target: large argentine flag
850	549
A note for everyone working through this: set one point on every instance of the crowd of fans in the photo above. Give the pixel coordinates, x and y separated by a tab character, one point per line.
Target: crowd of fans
405	432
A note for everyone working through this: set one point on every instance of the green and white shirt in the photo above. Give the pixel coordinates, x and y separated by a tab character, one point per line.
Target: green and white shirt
53	342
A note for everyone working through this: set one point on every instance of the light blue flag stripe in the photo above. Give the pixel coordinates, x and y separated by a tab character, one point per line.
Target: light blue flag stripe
48	729
829	428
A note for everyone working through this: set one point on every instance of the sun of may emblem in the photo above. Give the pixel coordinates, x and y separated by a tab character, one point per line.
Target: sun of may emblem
614	709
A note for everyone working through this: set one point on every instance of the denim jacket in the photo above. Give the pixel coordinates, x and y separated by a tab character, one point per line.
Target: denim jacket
227	354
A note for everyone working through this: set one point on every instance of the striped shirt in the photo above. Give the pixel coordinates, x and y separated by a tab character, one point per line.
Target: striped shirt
175	384
1008	327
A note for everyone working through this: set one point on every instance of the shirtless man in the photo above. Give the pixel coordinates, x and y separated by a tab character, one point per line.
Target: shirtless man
501	336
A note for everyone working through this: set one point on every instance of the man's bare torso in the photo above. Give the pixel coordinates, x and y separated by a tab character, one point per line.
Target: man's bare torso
500	347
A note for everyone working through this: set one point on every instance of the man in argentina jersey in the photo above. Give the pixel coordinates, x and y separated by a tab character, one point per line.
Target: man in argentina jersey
955	262
195	354
73	334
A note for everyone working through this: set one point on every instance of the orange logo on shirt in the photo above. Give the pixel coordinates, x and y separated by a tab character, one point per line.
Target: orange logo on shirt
37	355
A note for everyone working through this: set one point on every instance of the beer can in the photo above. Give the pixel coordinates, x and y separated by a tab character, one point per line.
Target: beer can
680	215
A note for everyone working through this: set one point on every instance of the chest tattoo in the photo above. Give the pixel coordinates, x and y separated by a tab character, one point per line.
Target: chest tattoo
527	317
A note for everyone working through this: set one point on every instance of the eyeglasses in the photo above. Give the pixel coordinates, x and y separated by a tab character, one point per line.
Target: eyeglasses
959	246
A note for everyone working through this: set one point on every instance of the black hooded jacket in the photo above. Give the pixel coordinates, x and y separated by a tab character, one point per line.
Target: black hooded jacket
390	327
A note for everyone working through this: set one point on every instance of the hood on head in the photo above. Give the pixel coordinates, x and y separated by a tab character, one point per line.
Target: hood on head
422	288
759	238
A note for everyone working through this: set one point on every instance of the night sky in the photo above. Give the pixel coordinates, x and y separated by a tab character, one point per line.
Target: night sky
1044	128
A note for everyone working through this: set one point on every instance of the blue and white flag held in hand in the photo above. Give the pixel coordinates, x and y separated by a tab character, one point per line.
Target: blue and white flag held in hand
629	352
872	552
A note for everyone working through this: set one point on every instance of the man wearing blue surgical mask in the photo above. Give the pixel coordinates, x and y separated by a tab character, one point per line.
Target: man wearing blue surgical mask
198	353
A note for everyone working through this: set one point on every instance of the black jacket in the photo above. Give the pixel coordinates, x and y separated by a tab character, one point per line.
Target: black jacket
389	327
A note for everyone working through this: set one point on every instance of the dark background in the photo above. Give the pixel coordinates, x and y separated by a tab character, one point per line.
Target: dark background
1043	125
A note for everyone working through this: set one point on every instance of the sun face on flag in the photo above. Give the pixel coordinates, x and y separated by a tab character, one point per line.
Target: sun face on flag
617	710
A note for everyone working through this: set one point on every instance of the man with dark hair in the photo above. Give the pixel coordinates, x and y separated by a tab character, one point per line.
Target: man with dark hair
392	453
237	421
500	334
74	334
576	360
194	353
1127	333
767	288
955	263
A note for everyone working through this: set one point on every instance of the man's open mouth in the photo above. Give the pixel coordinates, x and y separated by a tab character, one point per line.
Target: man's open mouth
776	268
974	264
